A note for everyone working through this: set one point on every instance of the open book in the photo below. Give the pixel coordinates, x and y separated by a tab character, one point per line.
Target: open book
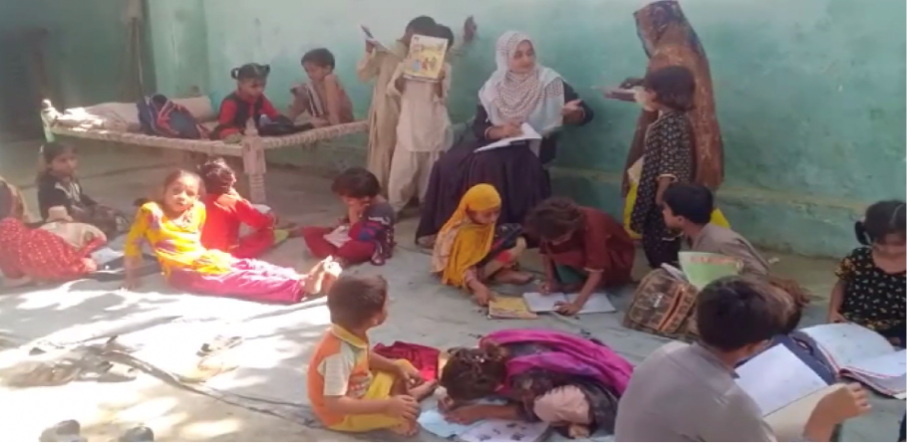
777	377
864	355
426	57
527	134
597	302
702	268
482	431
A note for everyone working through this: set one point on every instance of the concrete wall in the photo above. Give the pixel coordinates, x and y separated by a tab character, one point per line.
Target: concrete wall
811	93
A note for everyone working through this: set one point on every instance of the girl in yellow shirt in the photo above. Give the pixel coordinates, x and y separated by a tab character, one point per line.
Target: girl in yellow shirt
173	228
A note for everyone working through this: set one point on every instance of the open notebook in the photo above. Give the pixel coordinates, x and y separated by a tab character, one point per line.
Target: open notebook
597	303
777	377
509	307
527	134
864	355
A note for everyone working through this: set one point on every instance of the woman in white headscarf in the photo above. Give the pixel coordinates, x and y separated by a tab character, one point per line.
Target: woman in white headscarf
520	91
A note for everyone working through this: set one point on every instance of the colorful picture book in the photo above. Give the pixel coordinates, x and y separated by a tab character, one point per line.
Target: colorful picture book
702	268
426	57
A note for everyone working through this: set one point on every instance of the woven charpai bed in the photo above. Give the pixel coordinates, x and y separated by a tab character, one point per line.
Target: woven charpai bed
119	123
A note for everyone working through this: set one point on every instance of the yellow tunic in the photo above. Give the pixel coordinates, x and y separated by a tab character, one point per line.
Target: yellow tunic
176	243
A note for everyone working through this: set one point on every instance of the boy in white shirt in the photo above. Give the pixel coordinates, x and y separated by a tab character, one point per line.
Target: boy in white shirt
424	129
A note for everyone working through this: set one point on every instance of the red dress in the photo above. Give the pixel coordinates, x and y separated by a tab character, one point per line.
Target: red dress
602	244
221	230
40	254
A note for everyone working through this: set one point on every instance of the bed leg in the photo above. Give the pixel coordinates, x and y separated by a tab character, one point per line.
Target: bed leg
254	163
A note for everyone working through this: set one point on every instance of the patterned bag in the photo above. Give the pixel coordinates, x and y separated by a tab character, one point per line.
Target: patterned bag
663	305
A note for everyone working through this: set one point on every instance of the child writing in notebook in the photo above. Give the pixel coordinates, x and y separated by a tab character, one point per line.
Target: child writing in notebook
323	98
351	388
172	226
424	129
872	281
226	210
367	233
60	195
245	103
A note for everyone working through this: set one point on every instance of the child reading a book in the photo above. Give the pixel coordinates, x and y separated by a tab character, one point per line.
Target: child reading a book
245	103
584	250
563	379
351	388
226	210
379	64
871	289
424	129
471	250
367	233
60	194
323	98
688	392
172	226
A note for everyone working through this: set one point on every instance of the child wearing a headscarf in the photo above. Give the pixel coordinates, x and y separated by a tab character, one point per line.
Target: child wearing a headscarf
471	249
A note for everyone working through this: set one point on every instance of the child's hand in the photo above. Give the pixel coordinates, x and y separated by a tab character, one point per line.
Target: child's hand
568	308
370	46
547	288
90	265
408	374
571	108
483	296
402	406
466	414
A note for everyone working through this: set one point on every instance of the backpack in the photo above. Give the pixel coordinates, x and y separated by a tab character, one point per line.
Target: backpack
663	305
159	116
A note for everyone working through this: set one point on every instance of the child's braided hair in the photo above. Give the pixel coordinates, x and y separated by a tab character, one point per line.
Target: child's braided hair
474	373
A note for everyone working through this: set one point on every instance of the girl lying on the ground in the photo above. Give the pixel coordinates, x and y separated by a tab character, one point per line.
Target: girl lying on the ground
226	210
29	254
173	228
565	380
59	191
471	250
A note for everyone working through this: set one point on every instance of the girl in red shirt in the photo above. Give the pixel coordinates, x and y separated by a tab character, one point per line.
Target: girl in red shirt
226	210
247	102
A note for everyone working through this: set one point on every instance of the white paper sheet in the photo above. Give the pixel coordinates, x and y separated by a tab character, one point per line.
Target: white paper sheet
262	208
527	134
501	431
776	378
598	302
890	365
846	344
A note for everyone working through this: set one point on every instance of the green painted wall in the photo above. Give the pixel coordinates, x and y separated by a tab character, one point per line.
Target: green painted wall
811	93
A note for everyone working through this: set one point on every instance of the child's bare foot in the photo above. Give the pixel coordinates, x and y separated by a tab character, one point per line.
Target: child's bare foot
513	277
579	431
423	390
405	429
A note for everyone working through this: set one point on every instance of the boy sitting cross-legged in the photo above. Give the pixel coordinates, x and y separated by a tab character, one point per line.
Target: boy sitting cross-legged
351	388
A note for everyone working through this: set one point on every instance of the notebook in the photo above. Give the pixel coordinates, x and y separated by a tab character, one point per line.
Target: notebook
426	57
527	134
702	268
863	355
597	303
509	307
777	377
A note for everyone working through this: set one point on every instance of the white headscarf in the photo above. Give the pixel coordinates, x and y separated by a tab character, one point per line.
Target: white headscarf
536	97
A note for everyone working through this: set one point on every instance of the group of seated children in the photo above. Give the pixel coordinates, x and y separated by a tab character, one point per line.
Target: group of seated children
318	103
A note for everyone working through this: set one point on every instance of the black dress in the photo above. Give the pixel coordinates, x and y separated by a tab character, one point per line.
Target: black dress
517	174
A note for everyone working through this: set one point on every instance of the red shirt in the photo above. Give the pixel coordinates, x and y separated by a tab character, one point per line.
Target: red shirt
227	114
224	215
40	254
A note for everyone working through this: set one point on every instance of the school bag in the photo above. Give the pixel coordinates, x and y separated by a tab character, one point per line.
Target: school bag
663	305
159	116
